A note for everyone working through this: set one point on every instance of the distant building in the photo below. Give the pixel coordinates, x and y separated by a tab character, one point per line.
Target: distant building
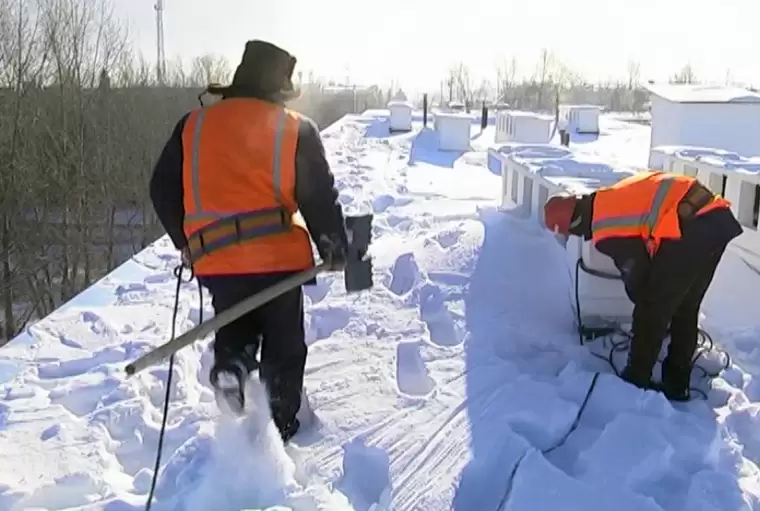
705	116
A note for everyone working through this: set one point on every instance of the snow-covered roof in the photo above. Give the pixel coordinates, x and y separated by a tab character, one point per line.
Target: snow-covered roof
520	114
582	107
454	115
727	160
687	93
344	88
579	173
468	326
584	167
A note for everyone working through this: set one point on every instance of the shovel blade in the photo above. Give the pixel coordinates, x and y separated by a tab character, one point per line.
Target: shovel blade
358	272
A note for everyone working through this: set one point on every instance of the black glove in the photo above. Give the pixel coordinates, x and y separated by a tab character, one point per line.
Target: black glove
333	252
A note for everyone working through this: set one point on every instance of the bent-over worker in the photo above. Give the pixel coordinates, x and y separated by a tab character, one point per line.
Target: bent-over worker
666	234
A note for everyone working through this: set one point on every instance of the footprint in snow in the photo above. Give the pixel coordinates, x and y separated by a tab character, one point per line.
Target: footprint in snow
443	330
404	275
132	293
448	238
159	278
345	199
366	476
326	322
77	366
412	376
319	291
97	324
50	432
382	202
69	343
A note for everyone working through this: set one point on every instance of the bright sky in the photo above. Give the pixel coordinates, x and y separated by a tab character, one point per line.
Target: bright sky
415	41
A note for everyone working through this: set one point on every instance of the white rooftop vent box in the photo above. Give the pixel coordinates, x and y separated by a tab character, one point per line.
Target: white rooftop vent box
523	127
453	131
582	119
400	116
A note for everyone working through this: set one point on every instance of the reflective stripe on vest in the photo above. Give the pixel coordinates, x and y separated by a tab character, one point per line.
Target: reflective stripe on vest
644	223
230	228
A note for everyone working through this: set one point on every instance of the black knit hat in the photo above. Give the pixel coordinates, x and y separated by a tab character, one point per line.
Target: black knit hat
264	68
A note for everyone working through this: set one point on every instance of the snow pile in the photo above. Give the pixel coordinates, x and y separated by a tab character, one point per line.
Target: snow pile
454	384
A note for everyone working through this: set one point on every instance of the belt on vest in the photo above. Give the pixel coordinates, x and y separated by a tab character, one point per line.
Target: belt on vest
237	228
697	197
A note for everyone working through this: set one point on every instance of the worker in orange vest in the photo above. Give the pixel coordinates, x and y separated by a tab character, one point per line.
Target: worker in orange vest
241	187
666	234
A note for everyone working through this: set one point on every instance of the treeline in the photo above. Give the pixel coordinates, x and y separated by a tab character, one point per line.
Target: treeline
82	120
551	82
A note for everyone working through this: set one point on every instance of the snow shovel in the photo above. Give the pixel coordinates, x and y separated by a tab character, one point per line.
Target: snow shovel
358	277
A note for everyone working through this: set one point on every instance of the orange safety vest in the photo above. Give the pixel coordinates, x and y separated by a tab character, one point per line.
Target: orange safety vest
645	205
238	177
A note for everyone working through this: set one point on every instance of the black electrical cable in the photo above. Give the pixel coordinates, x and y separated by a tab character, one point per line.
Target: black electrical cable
619	339
560	443
178	271
607	333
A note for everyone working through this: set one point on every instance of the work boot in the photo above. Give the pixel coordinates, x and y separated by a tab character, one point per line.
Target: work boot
229	376
637	378
284	417
284	406
676	381
228	380
642	356
288	430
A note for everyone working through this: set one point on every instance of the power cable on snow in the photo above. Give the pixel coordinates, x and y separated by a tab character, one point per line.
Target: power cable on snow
607	334
178	273
619	338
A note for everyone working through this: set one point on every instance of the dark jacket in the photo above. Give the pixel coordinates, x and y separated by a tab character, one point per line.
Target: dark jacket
315	191
709	232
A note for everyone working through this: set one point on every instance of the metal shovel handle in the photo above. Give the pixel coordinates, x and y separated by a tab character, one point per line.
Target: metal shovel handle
224	318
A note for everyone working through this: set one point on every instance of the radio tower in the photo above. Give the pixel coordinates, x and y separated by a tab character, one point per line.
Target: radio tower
160	53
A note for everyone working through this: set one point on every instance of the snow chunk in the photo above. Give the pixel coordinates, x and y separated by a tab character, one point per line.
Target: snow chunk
632	450
538	485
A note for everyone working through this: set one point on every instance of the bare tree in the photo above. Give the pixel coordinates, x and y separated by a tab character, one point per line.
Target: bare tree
544	73
21	62
728	77
685	75
460	82
506	77
177	74
483	91
208	69
634	74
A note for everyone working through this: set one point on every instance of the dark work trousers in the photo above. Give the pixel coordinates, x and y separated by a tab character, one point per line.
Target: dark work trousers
670	299
276	328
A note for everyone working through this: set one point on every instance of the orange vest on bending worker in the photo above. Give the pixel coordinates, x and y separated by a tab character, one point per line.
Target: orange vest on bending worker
239	189
645	205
